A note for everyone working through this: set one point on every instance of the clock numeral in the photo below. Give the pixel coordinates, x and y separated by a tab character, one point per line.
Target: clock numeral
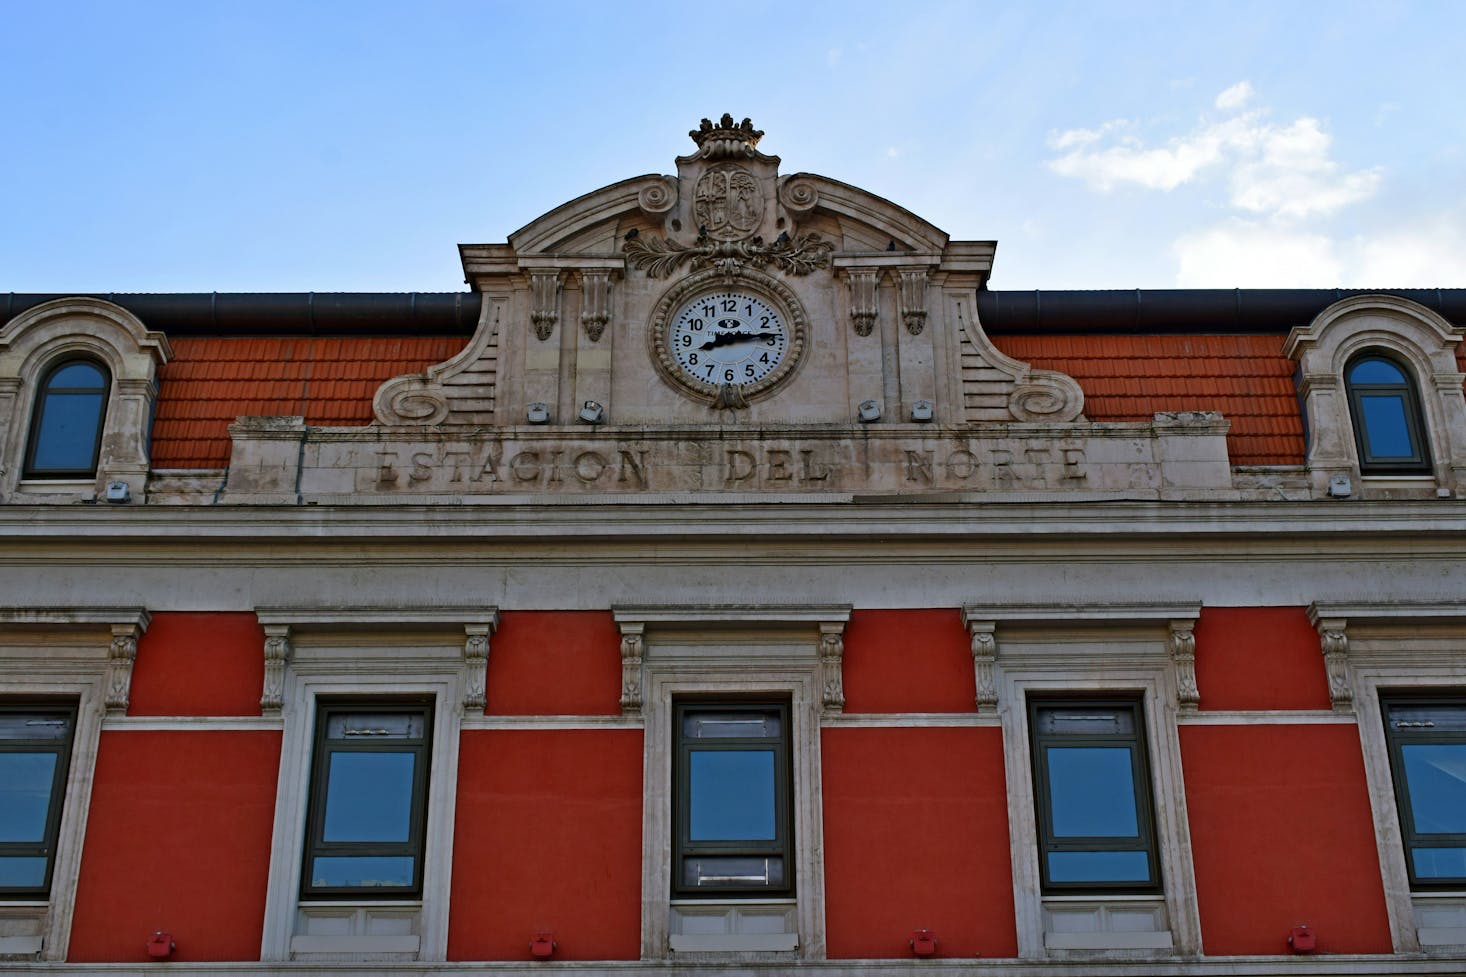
764	321
764	358
686	340
748	370
708	310
730	306
708	367
696	324
728	375
748	310
692	359
771	341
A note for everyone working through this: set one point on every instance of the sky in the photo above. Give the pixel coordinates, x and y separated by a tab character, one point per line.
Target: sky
259	146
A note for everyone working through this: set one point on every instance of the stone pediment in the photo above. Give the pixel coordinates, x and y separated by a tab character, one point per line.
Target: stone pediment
731	329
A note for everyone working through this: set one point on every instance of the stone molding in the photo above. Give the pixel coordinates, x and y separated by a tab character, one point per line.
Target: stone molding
996	387
93	329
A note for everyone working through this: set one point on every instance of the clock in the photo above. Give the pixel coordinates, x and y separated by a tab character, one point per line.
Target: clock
725	342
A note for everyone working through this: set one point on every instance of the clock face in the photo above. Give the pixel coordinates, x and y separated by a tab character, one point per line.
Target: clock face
727	337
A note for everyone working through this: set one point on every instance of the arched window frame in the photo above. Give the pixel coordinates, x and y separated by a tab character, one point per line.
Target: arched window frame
45	390
1412	336
1419	461
45	337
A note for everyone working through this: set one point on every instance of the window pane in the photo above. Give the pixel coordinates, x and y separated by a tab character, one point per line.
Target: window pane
36	727
1440	863
26	872
1099	866
369	797
1376	371
1086	721
1385	427
731	795
1434	717
1092	792
1435	776
730	725
364	872
357	726
25	795
67	436
733	870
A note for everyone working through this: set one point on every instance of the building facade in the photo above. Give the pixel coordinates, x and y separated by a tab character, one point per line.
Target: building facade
731	581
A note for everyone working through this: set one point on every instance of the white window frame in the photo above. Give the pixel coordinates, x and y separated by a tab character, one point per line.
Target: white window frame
746	653
361	655
79	328
64	653
1409	646
1058	648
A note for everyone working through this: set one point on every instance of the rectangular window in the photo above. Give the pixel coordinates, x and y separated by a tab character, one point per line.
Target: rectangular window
1427	743
1092	789
733	817
35	754
368	800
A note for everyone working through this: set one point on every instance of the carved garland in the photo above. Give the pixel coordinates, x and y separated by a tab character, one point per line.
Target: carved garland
659	257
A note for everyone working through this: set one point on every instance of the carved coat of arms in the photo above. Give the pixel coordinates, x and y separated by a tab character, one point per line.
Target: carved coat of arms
727	202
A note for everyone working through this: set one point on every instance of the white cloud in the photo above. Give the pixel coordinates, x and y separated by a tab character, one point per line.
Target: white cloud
1256	255
1235	97
1278	170
1430	254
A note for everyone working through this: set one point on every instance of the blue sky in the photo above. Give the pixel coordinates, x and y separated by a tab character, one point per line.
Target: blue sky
351	146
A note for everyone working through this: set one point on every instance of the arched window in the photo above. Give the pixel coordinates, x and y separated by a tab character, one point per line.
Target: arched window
1386	413
66	427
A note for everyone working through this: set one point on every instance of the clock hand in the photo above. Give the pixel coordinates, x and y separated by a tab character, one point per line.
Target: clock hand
729	338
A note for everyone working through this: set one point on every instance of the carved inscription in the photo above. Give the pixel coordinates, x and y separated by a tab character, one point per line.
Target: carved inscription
489	468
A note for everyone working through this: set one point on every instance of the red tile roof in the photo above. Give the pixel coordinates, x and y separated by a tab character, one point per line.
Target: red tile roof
211	381
1129	378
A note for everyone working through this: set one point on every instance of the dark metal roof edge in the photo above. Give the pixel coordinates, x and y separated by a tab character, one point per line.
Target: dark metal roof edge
1198	310
283	313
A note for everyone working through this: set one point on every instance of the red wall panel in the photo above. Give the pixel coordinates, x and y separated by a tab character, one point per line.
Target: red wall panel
548	837
555	663
210	664
916	836
908	661
1281	834
1259	658
177	839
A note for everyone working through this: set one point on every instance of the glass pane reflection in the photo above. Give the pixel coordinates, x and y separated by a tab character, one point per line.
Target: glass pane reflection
1435	776
26	872
369	797
1099	866
1092	792
26	780
1385	426
362	872
731	795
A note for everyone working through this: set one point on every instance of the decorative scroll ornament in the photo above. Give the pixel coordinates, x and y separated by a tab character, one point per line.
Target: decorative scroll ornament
798	195
984	660
632	647
726	140
1334	643
727	202
121	653
277	657
1182	645
832	654
863	308
657	197
911	297
595	302
545	305
476	666
659	257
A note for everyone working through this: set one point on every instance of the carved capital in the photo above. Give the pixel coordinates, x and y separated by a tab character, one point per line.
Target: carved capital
864	310
984	662
832	677
475	666
544	310
595	301
1334	643
1182	646
911	299
278	650
121	654
633	643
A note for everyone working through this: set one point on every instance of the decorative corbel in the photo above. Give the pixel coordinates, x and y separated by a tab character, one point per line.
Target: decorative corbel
544	309
911	299
1334	643
121	654
633	644
1182	646
595	301
476	666
832	654
864	309
277	658
984	659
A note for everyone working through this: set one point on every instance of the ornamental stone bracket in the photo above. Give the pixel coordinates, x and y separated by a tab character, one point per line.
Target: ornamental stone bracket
1333	638
121	654
544	309
832	678
911	299
984	663
277	659
633	650
476	664
595	301
1182	646
864	307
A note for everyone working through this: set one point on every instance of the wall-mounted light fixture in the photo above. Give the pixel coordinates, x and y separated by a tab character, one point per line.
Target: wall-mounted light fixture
921	411
592	412
538	413
869	411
